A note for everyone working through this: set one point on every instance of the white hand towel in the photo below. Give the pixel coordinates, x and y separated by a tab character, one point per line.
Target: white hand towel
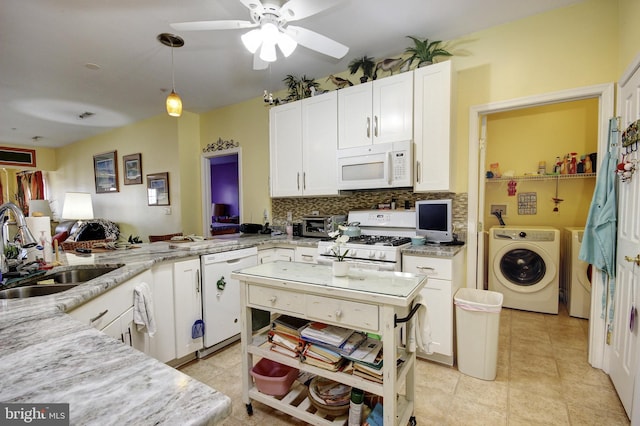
143	309
420	329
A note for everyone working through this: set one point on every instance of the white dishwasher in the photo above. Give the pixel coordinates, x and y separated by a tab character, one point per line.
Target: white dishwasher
221	296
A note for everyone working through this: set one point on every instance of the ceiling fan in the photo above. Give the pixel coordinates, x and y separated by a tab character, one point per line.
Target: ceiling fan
271	22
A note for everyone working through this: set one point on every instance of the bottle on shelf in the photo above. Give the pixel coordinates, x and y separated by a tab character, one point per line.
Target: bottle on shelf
573	164
588	167
564	166
558	164
355	407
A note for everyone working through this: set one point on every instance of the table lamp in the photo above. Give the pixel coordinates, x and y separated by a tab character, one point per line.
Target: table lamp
77	205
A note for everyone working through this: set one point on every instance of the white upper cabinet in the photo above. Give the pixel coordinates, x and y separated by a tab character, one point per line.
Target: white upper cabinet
303	143
376	112
433	128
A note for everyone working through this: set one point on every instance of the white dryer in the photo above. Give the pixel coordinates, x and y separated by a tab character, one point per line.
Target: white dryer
524	266
577	281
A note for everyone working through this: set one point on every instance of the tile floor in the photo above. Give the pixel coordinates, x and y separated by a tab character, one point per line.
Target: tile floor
543	378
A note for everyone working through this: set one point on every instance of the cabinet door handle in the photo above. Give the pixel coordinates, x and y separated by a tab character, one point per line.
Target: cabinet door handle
130	339
197	281
338	314
273	299
304	180
368	127
418	171
97	317
298	180
375	126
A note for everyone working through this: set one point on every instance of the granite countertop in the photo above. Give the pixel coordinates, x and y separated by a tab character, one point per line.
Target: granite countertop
46	356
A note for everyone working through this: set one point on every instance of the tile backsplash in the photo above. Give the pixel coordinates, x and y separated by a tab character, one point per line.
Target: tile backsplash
362	200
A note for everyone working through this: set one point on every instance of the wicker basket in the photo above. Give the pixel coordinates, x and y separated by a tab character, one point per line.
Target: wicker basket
72	245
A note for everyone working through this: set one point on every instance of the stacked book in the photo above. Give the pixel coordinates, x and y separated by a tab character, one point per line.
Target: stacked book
284	336
367	360
326	345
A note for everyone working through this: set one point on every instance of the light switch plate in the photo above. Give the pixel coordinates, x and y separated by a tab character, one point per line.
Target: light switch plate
502	208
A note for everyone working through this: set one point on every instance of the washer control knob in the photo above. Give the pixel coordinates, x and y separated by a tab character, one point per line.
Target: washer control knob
522	234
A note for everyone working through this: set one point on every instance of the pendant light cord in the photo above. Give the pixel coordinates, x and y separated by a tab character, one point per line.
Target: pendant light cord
173	72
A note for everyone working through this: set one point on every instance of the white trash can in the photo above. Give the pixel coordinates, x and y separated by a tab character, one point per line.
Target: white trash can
477	329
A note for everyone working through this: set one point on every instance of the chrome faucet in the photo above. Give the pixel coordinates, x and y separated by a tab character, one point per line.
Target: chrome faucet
24	235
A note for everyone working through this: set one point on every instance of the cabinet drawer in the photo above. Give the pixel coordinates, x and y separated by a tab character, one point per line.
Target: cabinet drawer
356	315
271	298
102	310
433	267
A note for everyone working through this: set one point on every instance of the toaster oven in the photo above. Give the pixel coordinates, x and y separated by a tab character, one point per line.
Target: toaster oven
319	226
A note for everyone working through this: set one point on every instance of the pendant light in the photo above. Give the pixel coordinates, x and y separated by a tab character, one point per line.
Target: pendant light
174	103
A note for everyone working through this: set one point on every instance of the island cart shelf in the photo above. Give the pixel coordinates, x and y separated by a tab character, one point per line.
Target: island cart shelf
369	301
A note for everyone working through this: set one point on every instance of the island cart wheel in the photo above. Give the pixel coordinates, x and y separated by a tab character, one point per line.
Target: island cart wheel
412	421
249	409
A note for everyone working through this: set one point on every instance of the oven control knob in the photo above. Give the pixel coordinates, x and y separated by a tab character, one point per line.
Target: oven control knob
382	255
327	250
353	253
372	254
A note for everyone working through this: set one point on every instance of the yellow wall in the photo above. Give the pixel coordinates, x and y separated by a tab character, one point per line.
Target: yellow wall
156	139
518	140
549	52
248	124
628	13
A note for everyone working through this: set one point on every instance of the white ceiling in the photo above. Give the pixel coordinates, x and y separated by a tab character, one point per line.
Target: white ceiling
45	46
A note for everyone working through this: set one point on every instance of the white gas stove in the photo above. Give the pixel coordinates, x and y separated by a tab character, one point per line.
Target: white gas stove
384	233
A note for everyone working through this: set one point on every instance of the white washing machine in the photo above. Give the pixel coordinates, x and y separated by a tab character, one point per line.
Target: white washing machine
524	265
576	274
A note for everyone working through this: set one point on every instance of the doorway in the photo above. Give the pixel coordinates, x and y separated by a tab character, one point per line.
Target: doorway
476	184
221	191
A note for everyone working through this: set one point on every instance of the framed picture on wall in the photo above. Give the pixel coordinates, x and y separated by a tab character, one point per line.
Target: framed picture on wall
132	165
158	189
105	170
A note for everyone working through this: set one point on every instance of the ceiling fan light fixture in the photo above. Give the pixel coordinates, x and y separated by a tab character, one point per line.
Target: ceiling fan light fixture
270	33
286	44
174	104
252	40
268	52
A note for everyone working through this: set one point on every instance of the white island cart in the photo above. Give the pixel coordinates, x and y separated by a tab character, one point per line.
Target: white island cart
369	301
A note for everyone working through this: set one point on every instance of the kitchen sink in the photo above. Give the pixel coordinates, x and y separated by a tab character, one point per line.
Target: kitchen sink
34	290
76	276
62	280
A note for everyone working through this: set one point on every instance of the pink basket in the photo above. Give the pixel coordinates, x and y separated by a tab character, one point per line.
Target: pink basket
273	378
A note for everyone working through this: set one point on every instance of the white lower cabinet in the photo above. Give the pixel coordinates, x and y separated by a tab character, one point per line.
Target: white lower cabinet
163	343
446	276
187	293
275	253
306	254
112	312
124	329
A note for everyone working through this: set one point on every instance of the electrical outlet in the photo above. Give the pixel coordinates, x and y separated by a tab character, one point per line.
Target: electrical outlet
502	208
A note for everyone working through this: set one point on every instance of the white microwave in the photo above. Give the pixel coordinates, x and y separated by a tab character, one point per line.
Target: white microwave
385	165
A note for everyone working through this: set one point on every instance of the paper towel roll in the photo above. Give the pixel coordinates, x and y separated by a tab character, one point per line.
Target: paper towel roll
37	225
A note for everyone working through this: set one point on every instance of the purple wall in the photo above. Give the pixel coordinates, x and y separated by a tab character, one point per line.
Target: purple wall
224	182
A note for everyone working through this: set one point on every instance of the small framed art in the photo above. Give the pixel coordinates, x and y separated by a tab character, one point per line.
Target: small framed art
158	189
132	165
105	170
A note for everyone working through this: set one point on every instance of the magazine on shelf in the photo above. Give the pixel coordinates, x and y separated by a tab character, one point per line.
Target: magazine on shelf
280	349
331	366
290	342
329	334
290	325
367	351
346	348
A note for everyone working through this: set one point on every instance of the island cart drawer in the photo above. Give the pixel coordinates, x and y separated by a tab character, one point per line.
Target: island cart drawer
344	313
271	298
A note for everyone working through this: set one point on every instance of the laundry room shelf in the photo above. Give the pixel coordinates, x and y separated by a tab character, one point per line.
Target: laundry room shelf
542	177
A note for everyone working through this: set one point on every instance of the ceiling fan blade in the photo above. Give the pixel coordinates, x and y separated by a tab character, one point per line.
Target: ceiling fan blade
212	25
294	10
253	5
259	64
314	41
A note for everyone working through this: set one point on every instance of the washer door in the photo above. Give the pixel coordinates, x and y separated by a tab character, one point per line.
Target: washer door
524	267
